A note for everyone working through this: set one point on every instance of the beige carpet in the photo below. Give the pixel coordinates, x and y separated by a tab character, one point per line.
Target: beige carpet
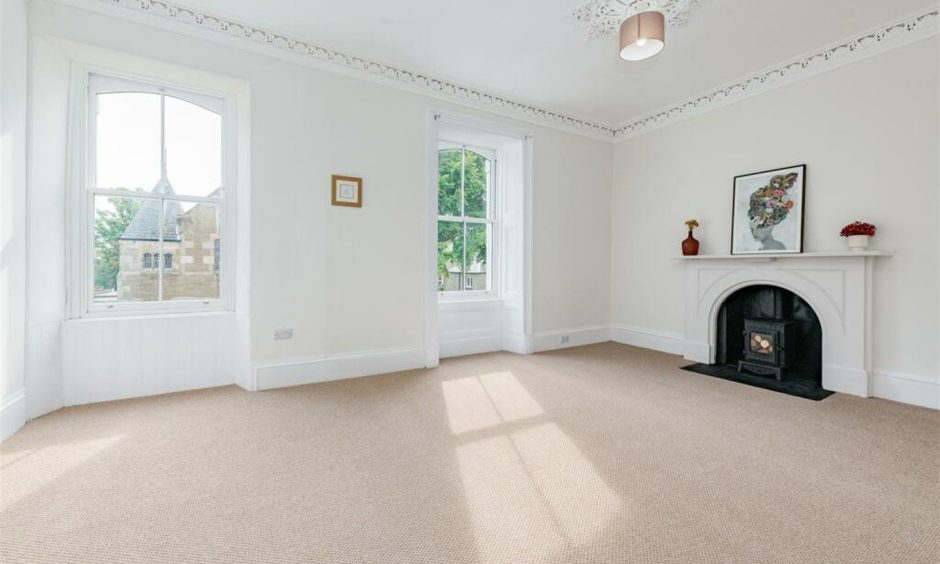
599	454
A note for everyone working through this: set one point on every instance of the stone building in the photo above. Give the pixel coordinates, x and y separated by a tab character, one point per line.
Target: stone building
189	257
474	279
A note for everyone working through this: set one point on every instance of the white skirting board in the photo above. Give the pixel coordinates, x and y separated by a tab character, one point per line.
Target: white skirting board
903	388
852	381
12	414
573	337
336	367
671	343
472	345
910	389
517	343
906	388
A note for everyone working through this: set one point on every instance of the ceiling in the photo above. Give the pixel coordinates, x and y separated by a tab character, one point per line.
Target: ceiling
532	50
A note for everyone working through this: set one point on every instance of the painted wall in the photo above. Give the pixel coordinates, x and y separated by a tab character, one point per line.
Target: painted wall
313	265
868	133
46	290
571	262
13	109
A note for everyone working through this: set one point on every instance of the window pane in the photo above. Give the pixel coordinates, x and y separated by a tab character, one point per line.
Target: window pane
193	148
192	242
448	185
127	149
476	184
124	259
449	256
475	277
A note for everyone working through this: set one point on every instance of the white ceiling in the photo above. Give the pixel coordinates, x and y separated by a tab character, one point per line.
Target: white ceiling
533	51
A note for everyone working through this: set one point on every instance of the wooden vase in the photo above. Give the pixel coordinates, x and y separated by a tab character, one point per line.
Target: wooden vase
690	245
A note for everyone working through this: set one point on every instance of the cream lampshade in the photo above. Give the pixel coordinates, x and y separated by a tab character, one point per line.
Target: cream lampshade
642	36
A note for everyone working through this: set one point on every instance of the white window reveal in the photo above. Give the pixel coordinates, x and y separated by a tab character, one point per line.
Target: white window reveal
156	188
466	219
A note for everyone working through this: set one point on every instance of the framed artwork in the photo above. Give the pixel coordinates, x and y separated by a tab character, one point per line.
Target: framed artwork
768	212
347	191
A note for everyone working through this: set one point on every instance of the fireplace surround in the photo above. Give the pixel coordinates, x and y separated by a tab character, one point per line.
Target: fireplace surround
837	286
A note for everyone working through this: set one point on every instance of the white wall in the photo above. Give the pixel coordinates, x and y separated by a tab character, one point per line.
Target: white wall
571	262
868	133
13	70
353	280
47	288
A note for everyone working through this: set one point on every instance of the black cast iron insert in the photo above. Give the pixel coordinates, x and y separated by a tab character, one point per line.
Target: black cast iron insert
765	346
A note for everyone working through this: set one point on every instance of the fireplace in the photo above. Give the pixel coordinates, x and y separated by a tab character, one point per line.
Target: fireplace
765	346
770	337
835	286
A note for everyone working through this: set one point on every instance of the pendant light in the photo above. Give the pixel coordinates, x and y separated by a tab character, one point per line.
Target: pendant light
642	36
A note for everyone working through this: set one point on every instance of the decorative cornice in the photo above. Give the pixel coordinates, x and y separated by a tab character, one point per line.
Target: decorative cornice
602	18
877	41
886	37
436	86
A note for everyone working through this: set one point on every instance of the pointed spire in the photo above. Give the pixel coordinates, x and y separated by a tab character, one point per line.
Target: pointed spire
163	185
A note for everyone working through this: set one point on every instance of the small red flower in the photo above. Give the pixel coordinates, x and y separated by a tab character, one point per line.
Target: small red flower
858	228
790	205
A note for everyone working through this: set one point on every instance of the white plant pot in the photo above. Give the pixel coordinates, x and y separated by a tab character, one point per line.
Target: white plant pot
858	242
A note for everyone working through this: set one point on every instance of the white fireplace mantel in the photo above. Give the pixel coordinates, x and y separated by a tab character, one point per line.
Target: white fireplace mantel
837	285
774	256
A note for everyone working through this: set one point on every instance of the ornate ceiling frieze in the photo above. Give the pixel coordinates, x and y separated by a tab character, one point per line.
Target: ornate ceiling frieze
602	18
437	86
886	37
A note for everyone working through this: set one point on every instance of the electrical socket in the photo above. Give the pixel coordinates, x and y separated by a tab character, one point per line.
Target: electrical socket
283	334
565	338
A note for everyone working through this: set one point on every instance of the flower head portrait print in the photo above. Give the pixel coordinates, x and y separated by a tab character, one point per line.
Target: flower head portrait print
768	212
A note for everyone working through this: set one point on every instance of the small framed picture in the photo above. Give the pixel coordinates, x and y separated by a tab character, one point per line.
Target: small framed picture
347	191
768	212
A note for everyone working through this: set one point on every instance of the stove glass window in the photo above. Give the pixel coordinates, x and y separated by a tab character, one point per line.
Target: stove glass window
761	343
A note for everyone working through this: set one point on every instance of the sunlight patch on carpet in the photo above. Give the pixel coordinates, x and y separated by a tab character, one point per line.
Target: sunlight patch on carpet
479	402
21	480
532	492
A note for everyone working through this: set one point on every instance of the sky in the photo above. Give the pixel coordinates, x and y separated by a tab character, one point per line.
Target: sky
128	144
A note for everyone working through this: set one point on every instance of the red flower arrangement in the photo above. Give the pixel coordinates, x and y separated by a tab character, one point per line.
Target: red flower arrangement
858	228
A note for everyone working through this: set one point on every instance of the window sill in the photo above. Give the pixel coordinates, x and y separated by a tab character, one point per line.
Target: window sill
137	315
479	303
459	298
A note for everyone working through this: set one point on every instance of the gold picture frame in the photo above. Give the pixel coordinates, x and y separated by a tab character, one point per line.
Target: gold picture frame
347	191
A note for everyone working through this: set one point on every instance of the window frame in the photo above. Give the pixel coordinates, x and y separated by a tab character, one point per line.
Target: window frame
87	83
491	220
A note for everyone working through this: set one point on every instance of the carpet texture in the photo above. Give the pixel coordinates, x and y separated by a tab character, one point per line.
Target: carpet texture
604	453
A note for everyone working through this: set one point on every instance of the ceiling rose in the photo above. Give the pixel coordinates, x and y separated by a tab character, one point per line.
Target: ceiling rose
602	18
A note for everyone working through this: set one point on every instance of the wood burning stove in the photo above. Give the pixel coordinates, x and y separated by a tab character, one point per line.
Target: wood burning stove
765	346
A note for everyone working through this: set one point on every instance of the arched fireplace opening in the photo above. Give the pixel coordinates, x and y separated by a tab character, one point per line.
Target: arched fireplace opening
770	331
770	337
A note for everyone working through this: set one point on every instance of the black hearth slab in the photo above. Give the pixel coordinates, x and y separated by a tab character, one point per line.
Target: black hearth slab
798	388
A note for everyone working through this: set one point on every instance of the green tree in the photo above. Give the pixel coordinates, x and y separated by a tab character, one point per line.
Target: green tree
109	226
456	167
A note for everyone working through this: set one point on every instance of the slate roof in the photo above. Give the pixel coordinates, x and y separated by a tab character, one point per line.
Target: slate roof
146	223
